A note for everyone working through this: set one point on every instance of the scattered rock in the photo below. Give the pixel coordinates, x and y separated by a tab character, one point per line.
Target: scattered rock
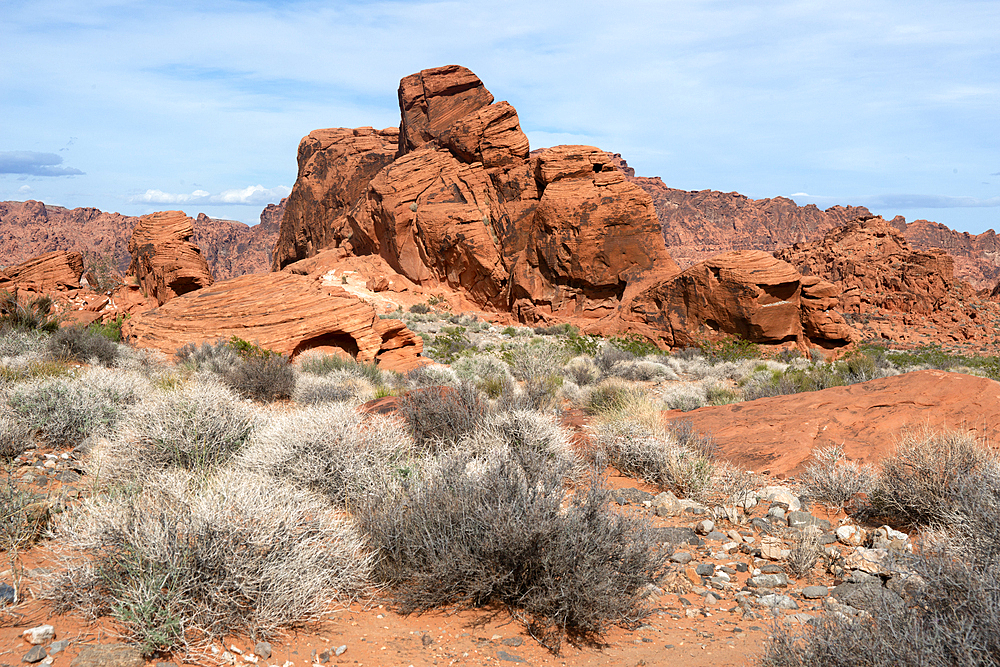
512	641
39	635
109	655
803	519
263	649
509	657
7	594
704	527
851	535
891	540
768	581
58	646
776	601
773	548
667	504
681	557
36	654
339	651
814	592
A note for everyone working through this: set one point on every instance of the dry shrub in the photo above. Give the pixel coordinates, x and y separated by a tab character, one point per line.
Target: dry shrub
928	472
502	531
263	378
834	479
332	450
180	561
805	552
437	416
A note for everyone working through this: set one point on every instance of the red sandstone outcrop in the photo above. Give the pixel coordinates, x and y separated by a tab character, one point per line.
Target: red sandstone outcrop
31	228
779	434
56	271
164	260
284	312
746	293
875	266
977	257
555	234
433	100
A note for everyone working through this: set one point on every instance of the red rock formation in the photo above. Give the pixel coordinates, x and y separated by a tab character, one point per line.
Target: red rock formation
164	260
31	228
335	168
284	312
746	293
875	266
977	257
592	232
779	434
433	100
49	272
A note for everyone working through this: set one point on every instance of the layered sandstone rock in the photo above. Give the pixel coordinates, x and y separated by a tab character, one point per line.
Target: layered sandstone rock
591	233
745	293
31	228
50	272
284	312
820	312
335	168
164	260
433	100
780	434
875	266
977	256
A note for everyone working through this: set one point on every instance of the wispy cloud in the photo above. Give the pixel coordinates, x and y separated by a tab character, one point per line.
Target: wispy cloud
253	195
900	201
34	164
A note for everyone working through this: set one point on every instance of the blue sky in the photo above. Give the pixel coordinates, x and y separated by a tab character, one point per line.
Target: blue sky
142	106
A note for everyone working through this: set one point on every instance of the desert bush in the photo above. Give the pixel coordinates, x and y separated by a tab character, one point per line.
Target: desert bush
523	429
503	531
239	555
15	437
196	427
218	357
834	479
669	456
431	376
641	370
335	387
263	378
324	364
440	415
18	342
917	484
35	315
332	450
805	551
613	397
64	410
20	522
451	344
535	359
420	308
729	349
582	371
83	344
609	355
486	372
685	397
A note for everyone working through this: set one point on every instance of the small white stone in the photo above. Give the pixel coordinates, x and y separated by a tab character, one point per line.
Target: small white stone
705	527
852	536
730	546
251	658
340	650
39	635
235	650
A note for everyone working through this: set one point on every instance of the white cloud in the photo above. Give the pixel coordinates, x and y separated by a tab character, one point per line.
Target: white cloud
34	164
253	195
25	189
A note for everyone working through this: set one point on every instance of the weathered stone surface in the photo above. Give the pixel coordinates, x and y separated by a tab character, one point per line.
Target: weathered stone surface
108	655
591	234
820	315
492	135
779	434
977	256
746	293
51	272
31	228
335	168
431	218
283	312
164	260
433	100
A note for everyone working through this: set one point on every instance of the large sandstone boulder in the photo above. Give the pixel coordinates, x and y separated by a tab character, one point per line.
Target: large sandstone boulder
49	272
592	232
431	218
284	312
779	434
335	168
165	261
745	293
433	100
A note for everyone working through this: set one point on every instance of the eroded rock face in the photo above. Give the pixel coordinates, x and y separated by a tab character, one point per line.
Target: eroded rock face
284	312
746	293
592	232
335	168
164	259
49	272
433	100
874	266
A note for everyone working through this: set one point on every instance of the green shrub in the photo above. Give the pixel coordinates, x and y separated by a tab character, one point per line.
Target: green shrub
503	531
450	345
35	315
324	364
83	344
420	308
636	345
729	349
